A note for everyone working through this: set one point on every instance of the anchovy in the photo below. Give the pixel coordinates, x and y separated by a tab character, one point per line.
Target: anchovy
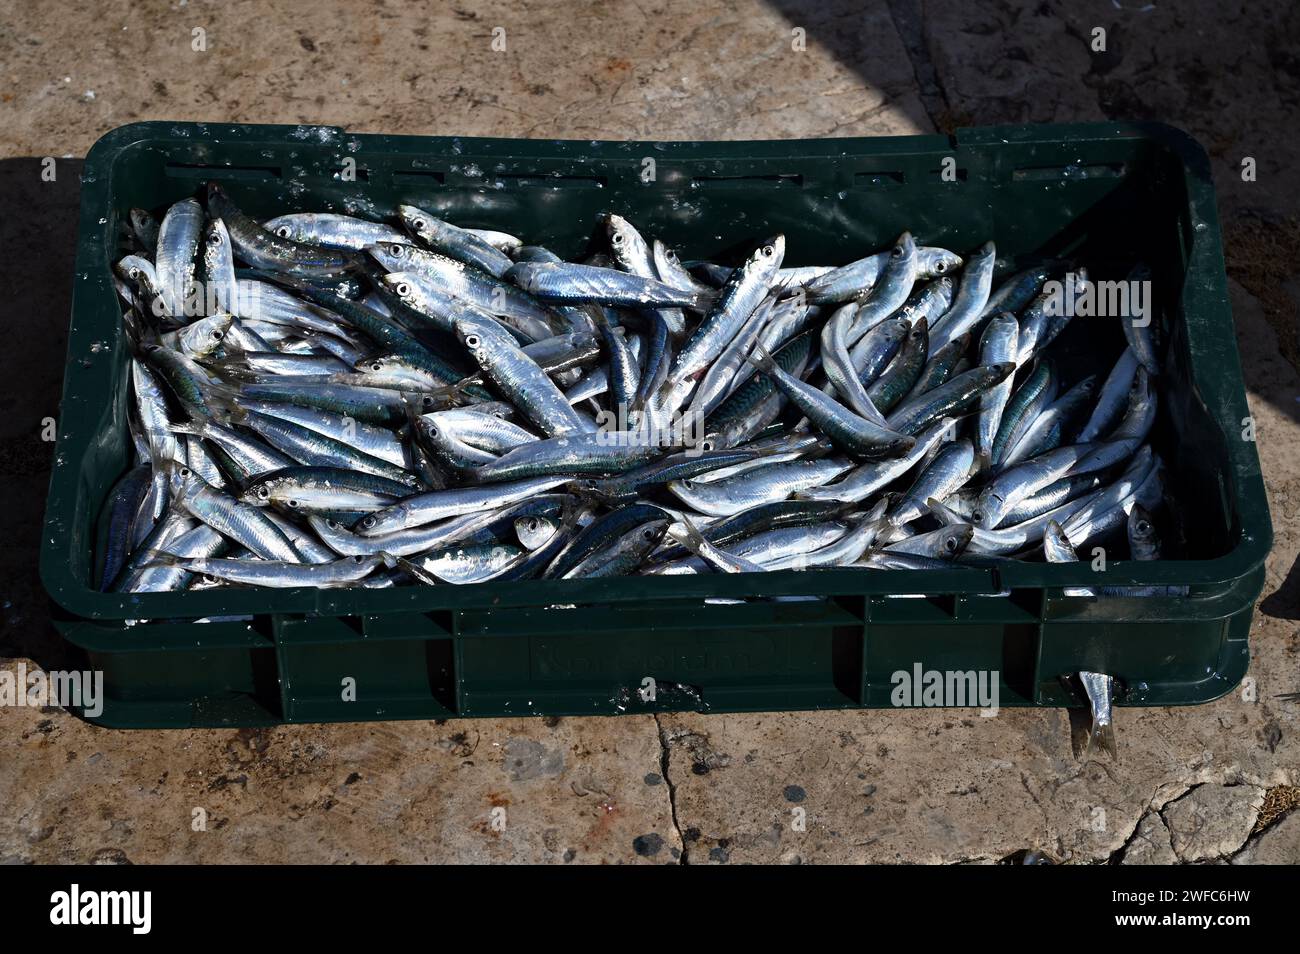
853	433
745	289
178	241
971	297
1113	397
863	481
758	486
439	504
1027	402
892	291
276	573
456	242
997	346
570	283
849	281
332	229
267	250
506	365
900	376
952	397
1137	328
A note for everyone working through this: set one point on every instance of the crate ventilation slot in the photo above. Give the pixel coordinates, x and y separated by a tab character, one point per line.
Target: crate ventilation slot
793	181
419	175
519	180
201	170
1074	170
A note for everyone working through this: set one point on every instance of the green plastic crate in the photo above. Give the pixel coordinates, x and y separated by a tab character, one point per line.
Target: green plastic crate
1107	193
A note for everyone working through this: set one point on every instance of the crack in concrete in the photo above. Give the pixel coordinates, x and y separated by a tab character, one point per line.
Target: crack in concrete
669	784
1117	856
907	19
1177	798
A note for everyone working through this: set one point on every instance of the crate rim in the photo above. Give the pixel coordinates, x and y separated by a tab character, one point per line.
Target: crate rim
95	303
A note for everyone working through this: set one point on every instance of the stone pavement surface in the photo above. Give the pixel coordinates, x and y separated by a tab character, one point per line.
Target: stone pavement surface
919	786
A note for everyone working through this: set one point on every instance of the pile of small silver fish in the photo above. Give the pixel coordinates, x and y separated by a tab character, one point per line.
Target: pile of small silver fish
319	400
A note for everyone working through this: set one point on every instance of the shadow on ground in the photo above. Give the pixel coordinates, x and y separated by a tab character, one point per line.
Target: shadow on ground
38	240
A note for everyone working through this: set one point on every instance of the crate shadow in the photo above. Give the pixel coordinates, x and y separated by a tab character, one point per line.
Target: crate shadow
835	26
38	242
1284	602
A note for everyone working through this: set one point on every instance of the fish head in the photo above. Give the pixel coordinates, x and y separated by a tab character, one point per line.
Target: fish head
668	254
417	220
939	262
217	198
772	250
623	237
287	230
382	521
182	482
391	256
897	328
260	492
401	285
651	533
215	237
535	531
377	364
988	511
954	542
473	334
905	246
1141	529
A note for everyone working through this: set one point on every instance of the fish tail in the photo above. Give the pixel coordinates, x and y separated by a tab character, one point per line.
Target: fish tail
761	358
1102	737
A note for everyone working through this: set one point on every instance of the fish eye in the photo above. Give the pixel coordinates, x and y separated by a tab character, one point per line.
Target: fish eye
1143	527
331	524
184	472
293	504
427	400
396	249
648	533
367	522
977	516
532	524
214	237
402	288
950	544
706	444
940	267
616	238
896	251
284	231
218	335
471	341
263	492
376	366
418	224
768	251
358	558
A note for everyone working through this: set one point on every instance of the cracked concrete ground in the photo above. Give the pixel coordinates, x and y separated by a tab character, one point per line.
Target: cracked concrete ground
930	787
